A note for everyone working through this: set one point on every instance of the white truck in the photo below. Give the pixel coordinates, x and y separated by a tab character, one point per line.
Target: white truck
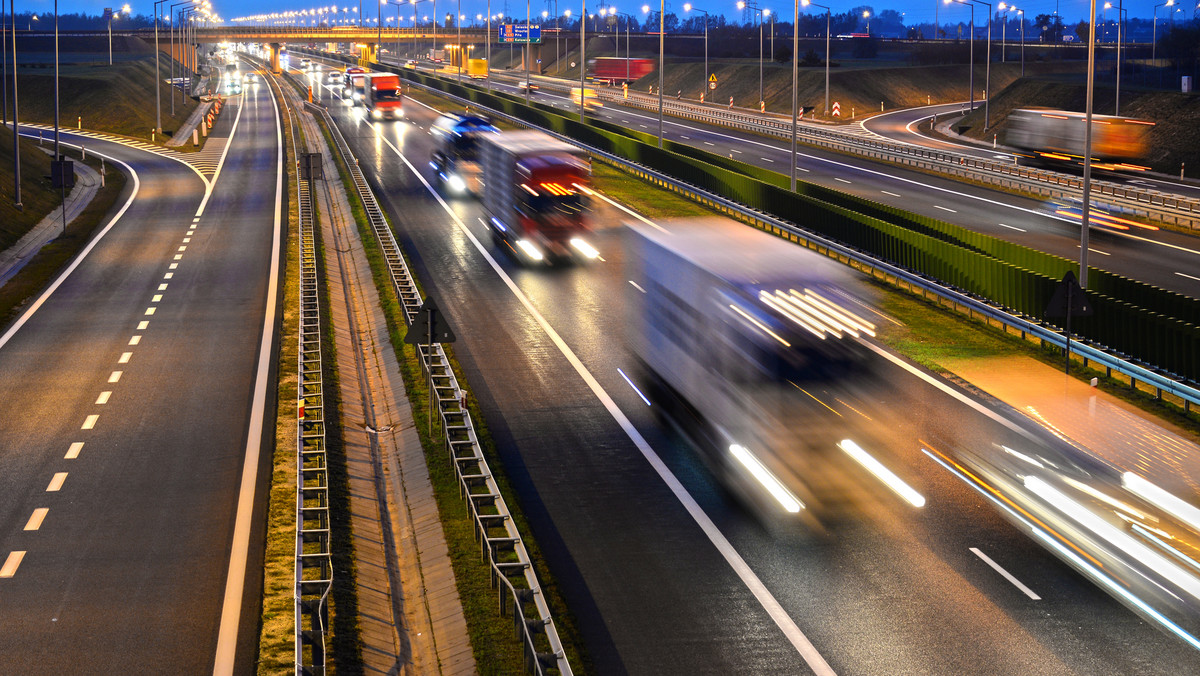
535	191
735	329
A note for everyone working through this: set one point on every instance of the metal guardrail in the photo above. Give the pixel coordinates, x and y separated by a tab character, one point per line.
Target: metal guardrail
1110	361
1156	205
314	563
500	542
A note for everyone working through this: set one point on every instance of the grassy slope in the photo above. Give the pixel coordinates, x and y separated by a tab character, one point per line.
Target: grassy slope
117	98
37	198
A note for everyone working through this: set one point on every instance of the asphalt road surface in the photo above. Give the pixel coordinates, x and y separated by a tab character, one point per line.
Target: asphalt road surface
133	419
665	570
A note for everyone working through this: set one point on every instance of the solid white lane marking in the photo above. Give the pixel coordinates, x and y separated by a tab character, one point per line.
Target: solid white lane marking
143	325
1011	227
162	287
1188	276
841	179
57	482
235	577
150	310
36	519
945	209
157	297
11	564
893	194
116	375
135	340
90	421
1007	576
635	285
735	561
124	357
73	451
103	398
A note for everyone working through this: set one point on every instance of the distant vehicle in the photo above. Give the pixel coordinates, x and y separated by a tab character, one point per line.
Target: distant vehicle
411	63
612	69
733	327
437	55
335	76
524	85
853	35
305	64
456	155
588	95
231	67
535	191
1057	137
354	85
233	85
250	77
477	69
383	98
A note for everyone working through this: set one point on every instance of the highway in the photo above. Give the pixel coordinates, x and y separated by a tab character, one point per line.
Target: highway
1159	257
665	571
137	388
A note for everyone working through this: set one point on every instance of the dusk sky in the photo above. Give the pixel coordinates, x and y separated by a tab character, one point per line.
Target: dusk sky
915	11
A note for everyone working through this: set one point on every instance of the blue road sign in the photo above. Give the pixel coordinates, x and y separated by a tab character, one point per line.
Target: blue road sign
520	33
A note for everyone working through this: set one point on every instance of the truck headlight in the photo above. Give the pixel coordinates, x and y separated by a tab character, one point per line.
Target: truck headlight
587	250
377	114
529	249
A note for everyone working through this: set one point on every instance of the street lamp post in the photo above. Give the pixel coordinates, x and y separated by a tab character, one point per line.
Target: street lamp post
582	53
661	36
1021	13
795	93
743	4
1154	33
1120	36
687	8
971	4
1087	153
173	27
157	78
867	16
16	123
828	19
1004	9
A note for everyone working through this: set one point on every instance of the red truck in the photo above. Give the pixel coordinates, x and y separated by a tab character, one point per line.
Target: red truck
383	97
614	69
535	191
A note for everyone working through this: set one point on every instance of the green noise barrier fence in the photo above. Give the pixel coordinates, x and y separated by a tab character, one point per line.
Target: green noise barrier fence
1137	320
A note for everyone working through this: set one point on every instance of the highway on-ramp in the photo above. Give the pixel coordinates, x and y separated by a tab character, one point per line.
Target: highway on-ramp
131	438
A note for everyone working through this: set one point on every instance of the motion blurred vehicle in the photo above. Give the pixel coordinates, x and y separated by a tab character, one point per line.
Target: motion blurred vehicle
305	64
477	69
535	191
1057	137
455	156
590	100
354	85
383	98
1102	214
740	334
411	63
612	69
529	85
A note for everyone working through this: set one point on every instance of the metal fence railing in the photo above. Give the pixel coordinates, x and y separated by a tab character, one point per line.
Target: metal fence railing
501	544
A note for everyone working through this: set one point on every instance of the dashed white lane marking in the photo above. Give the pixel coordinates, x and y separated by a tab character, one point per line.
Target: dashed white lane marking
953	211
116	376
182	248
11	563
57	482
766	159
1007	576
173	266
150	310
90	421
1102	253
157	297
735	150
1188	276
709	144
162	287
1011	227
73	451
143	325
124	357
893	194
169	275
841	179
187	239
802	169
103	398
135	340
36	519
178	257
